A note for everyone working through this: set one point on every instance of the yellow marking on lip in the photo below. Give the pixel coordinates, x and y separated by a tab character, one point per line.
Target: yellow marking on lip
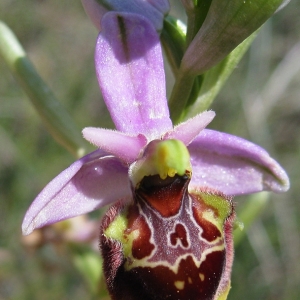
116	230
224	293
202	277
179	284
210	217
220	203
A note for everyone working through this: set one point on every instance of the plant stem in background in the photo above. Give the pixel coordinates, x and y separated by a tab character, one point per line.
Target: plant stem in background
215	78
250	212
55	117
180	95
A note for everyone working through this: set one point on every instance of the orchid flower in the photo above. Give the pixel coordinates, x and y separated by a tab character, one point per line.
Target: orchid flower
169	231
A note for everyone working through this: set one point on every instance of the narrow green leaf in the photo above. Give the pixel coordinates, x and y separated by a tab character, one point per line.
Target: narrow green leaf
56	119
227	24
254	206
196	16
173	40
179	97
215	78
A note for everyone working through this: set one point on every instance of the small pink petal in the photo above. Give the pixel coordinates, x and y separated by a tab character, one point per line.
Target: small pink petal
119	144
86	185
233	165
187	131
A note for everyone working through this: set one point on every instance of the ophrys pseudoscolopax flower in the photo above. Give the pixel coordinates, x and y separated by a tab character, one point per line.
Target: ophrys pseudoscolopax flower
169	233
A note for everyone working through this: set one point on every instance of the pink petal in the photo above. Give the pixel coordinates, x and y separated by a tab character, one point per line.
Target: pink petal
130	72
187	131
121	145
233	165
86	185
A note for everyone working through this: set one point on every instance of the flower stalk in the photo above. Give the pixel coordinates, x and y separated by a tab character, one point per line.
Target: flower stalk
180	95
56	119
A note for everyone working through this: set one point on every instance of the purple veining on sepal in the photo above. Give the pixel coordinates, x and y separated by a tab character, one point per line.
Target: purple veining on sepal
233	165
131	75
86	185
153	10
119	144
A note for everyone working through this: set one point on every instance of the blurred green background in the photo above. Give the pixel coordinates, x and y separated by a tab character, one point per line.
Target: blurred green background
260	102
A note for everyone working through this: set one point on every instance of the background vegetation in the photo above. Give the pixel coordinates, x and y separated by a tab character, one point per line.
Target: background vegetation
260	102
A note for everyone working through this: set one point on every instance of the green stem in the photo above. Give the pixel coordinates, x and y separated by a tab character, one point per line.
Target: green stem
180	95
56	119
173	42
214	79
249	213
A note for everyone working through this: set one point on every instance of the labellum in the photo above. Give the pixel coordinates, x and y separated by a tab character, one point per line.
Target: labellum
168	242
